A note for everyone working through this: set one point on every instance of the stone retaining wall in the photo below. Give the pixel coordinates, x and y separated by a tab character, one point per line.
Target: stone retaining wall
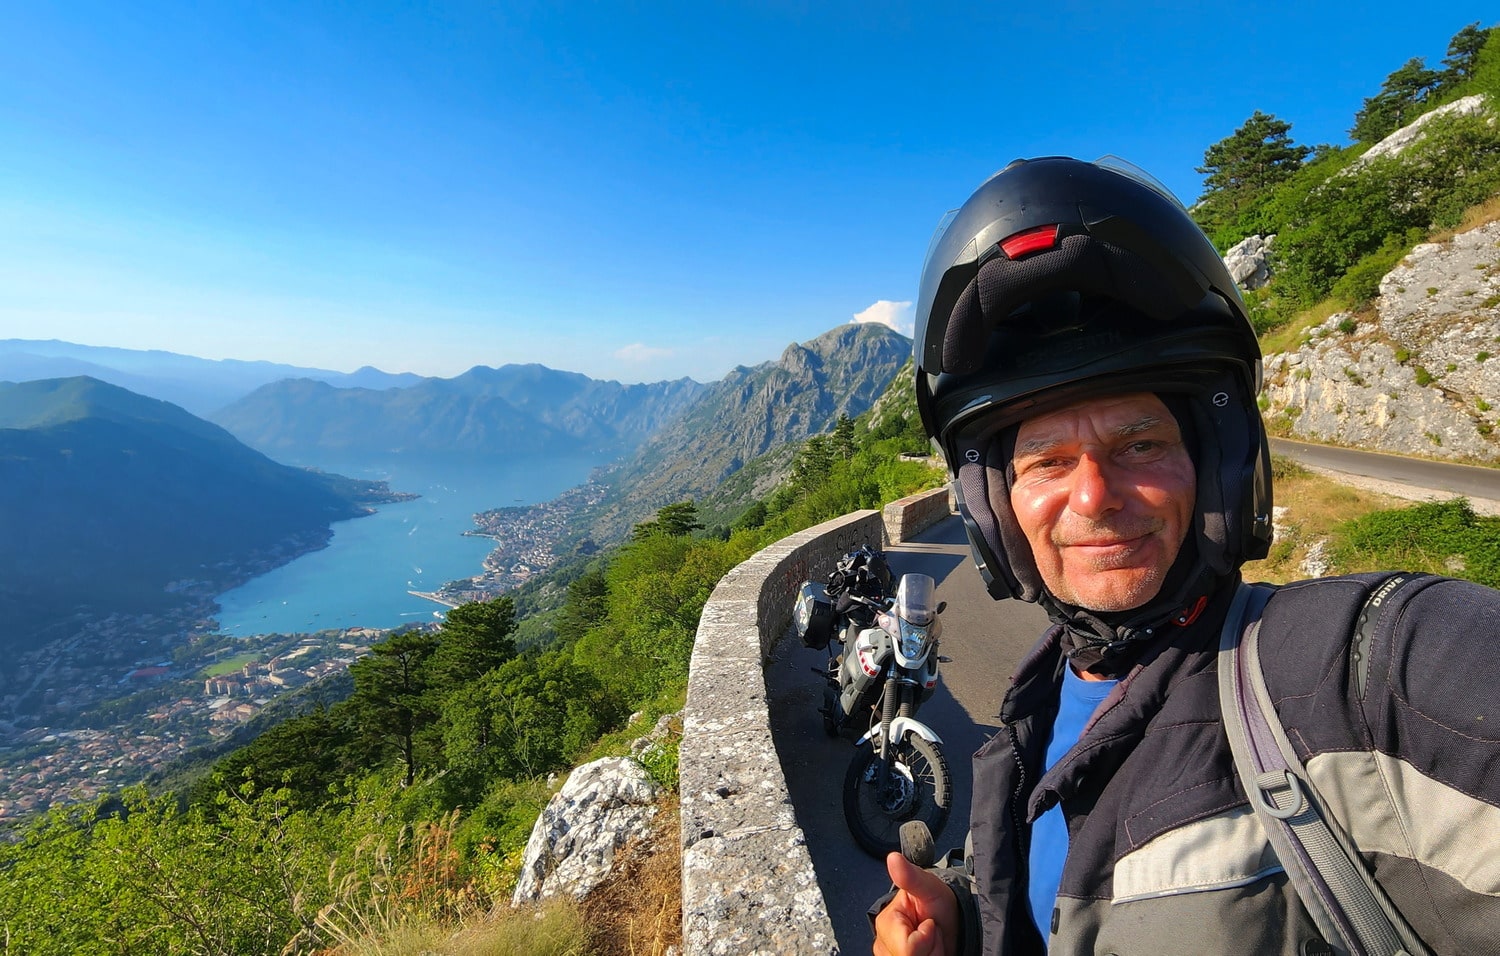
904	519
748	885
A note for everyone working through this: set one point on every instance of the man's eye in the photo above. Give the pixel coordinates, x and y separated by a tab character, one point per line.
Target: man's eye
1040	465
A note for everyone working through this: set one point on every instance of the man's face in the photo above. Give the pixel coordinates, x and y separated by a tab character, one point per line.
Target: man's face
1104	493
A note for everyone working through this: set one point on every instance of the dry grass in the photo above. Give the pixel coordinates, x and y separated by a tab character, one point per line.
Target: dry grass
638	910
1289	337
1474	217
1314	505
410	898
554	928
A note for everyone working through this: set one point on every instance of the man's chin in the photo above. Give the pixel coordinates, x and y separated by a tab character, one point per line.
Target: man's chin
1121	589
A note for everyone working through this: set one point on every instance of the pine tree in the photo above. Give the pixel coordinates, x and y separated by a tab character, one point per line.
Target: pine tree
586	606
1399	101
675	520
475	639
390	699
1463	53
1255	157
844	445
679	520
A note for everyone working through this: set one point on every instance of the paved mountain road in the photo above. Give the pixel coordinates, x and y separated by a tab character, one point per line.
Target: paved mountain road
1394	474
985	639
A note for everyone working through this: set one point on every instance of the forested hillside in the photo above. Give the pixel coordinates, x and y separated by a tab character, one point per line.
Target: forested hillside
1343	216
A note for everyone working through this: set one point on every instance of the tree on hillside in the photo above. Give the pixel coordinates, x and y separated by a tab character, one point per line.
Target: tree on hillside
675	521
587	604
1463	53
1241	169
306	754
1257	155
813	464
390	699
475	639
1399	101
530	717
844	445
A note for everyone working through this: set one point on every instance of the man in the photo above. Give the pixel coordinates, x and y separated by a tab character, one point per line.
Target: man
1085	363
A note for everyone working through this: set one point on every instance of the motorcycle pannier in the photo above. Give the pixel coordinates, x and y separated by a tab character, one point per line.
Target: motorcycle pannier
813	616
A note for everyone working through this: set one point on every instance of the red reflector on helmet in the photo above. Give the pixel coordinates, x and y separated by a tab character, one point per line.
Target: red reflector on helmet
1029	241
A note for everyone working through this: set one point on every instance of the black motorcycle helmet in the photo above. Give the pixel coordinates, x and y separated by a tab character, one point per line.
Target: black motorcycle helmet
1060	280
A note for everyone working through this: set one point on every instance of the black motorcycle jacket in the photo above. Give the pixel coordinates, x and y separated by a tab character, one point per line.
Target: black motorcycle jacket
1396	718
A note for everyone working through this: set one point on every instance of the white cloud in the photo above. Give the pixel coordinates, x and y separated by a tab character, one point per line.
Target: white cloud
897	315
637	352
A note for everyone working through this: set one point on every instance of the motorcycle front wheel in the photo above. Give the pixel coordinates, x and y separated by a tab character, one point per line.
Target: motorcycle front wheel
918	787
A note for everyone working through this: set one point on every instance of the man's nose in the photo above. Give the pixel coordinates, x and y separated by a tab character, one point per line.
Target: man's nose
1096	490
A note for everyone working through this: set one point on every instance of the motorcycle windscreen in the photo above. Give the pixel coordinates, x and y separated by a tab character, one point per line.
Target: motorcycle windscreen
916	599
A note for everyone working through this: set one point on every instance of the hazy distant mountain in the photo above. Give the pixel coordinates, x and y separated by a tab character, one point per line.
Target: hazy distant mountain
752	411
108	499
199	385
483	411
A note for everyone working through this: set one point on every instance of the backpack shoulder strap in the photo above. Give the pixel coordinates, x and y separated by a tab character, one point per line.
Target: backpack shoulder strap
1349	908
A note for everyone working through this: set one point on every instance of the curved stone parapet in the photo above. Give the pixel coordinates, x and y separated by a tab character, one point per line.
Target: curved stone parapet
748	885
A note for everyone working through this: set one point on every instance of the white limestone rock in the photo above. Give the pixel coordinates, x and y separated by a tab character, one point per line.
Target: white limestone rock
1393	144
1423	377
602	807
1249	261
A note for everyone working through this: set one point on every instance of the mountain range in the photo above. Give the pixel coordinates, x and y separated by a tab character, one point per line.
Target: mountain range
198	385
750	413
112	502
483	411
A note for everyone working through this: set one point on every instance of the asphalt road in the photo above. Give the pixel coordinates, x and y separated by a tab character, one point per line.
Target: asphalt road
984	638
1468	480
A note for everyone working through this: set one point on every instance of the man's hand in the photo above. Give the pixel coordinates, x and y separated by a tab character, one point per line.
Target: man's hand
922	919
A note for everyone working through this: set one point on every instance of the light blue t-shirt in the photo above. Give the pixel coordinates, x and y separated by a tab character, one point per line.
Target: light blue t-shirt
1049	835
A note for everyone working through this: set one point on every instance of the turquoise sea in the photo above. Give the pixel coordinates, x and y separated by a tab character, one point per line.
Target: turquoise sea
363	576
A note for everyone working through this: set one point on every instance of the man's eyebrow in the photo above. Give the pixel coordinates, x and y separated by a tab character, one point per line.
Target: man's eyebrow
1143	424
1043	444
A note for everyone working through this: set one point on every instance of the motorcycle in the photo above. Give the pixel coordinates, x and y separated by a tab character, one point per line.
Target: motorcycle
887	669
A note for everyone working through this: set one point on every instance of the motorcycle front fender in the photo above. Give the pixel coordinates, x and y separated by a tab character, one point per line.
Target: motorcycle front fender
900	727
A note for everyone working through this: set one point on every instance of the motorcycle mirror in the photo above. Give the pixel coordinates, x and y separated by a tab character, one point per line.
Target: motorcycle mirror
942	606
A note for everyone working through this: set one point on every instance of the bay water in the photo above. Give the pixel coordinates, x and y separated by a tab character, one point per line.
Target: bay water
364	575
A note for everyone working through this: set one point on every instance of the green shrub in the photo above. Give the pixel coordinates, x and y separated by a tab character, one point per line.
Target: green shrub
1425	537
1424	377
1361	282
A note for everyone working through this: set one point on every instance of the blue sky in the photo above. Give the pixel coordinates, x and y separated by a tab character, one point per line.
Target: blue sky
635	191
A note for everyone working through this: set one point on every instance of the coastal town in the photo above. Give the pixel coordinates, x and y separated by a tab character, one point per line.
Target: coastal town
165	710
107	703
527	539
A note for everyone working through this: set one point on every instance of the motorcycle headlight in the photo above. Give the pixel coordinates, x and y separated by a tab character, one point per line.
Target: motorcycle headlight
913	640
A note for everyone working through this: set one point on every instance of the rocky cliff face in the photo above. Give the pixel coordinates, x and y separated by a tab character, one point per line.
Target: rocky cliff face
753	411
1419	376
